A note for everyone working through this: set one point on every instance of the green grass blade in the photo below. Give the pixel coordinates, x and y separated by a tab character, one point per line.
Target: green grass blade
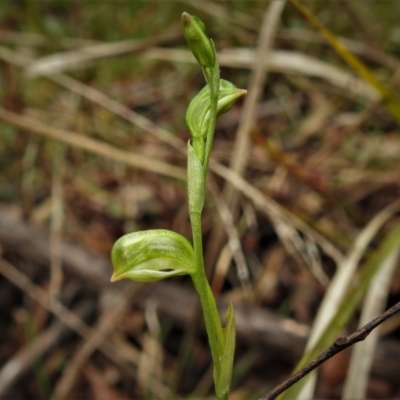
349	304
390	98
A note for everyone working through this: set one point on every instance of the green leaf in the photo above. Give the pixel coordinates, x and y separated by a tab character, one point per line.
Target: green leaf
152	255
198	112
196	181
224	375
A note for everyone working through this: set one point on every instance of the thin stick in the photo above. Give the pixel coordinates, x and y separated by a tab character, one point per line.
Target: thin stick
339	345
57	204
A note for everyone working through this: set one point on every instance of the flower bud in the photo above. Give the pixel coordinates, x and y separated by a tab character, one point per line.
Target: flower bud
151	255
198	112
199	43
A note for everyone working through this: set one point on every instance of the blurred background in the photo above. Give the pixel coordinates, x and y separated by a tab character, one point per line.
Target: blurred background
304	183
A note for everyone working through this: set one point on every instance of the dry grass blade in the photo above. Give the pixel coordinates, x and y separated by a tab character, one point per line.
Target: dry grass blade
234	245
298	63
73	59
281	61
119	109
389	96
313	172
97	97
274	210
363	354
360	48
223	13
57	206
57	220
148	126
13	57
117	308
347	268
58	309
337	347
14	368
108	151
241	145
315	355
150	373
341	282
284	229
42	297
257	79
36	39
100	388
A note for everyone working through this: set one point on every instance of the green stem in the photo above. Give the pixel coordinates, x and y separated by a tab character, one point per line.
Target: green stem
213	81
210	311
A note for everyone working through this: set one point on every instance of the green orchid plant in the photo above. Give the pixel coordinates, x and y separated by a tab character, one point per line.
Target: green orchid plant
151	255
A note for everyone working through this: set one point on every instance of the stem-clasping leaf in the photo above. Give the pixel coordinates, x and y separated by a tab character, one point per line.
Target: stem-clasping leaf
224	372
152	255
196	179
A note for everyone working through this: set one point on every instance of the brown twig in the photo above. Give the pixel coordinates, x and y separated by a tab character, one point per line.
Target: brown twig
339	345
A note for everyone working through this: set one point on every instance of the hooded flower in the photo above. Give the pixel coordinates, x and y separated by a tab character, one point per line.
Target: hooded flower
151	255
198	112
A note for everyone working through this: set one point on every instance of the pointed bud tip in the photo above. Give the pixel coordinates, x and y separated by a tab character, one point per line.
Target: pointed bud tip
114	278
241	93
187	19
